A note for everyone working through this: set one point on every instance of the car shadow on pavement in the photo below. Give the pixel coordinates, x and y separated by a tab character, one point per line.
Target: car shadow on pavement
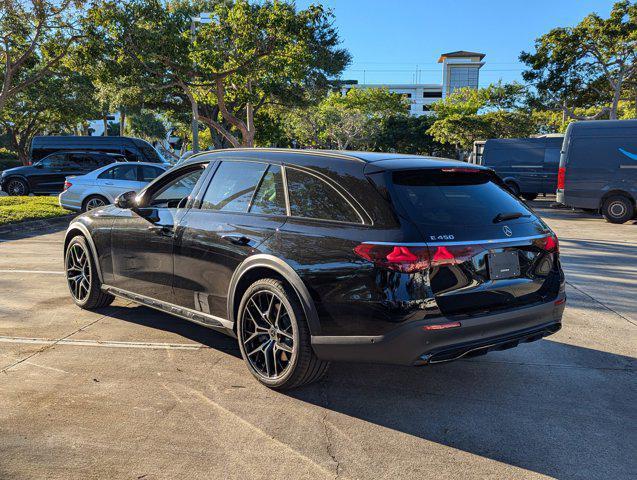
148	317
552	408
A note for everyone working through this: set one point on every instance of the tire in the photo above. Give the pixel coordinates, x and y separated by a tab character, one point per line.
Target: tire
276	349
513	188
94	201
529	196
17	187
618	209
82	277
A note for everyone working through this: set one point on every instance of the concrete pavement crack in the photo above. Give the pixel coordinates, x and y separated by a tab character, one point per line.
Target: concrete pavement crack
328	438
53	343
601	303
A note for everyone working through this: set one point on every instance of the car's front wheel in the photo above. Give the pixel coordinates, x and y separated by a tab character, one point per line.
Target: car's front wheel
17	187
274	337
82	277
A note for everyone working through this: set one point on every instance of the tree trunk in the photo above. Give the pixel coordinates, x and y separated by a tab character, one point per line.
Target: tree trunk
122	123
105	120
616	96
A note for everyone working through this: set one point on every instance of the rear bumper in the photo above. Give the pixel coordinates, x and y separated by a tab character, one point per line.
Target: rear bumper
69	204
412	345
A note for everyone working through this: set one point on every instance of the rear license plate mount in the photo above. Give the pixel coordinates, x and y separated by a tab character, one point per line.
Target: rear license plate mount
504	265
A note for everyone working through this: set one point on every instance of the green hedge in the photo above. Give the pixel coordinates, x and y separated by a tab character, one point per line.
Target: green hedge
18	209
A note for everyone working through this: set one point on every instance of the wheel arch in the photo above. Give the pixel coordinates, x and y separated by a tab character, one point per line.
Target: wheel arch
269	266
78	228
93	193
616	191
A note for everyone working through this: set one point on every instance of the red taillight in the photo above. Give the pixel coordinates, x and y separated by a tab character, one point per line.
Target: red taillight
550	243
67	184
400	258
561	178
461	170
410	259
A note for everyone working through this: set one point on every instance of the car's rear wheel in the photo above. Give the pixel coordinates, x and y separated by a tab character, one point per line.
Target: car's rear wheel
513	187
618	209
274	337
94	201
82	277
17	187
529	196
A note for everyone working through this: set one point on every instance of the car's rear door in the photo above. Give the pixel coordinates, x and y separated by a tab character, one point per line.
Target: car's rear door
243	205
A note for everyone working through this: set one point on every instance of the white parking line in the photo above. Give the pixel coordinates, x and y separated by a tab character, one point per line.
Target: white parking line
45	272
105	343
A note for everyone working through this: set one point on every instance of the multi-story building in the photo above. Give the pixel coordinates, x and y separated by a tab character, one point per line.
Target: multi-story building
459	69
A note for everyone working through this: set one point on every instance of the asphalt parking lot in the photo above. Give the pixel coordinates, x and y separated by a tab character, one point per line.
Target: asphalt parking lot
128	392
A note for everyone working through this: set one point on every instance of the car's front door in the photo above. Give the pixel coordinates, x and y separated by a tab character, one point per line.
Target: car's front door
243	206
50	173
142	238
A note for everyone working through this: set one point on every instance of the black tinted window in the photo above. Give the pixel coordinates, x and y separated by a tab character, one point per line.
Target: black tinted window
233	185
311	197
270	198
150	173
445	198
132	155
60	162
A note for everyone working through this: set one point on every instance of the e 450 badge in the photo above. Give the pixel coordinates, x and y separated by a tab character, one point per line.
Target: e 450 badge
441	237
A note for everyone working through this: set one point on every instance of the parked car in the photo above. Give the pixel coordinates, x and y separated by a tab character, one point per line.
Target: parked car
309	257
48	174
100	187
598	168
134	149
527	165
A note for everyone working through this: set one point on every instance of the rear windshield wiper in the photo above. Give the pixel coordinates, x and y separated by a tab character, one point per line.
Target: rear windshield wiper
503	217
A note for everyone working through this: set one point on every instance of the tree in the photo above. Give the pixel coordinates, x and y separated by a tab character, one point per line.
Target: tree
252	55
147	125
57	104
345	121
467	115
407	134
35	36
586	65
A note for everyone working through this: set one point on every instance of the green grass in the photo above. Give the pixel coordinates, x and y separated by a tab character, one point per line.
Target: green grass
19	209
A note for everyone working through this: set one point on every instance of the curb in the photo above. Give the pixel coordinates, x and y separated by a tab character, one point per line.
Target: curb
29	225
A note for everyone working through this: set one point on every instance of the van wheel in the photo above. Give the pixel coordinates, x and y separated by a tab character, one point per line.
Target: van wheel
618	209
529	196
513	188
274	337
16	187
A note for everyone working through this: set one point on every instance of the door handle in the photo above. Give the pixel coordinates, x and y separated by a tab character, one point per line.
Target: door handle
241	240
165	230
108	183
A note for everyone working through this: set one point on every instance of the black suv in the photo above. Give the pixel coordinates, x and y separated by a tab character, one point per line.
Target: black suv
48	175
309	256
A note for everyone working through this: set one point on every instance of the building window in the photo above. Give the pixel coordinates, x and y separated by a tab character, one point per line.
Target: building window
432	94
426	108
408	95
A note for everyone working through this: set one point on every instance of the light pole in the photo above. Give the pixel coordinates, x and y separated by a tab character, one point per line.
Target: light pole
202	18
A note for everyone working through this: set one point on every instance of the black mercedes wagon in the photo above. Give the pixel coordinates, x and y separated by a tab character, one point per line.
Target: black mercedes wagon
308	257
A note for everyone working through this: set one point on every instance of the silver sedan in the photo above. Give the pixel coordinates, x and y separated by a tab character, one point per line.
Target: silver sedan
101	186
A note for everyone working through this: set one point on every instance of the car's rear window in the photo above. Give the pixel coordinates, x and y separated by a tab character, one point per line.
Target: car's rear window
434	197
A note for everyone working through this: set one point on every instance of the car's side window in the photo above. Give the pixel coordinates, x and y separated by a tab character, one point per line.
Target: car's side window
269	198
176	190
124	172
233	186
311	197
148	173
54	161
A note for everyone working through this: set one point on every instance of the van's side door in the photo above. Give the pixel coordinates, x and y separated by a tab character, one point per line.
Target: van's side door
243	205
527	167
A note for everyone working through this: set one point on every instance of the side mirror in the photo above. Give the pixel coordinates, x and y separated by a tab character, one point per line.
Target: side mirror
37	165
126	200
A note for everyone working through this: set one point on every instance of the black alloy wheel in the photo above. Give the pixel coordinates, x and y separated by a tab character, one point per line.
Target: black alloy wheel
17	188
82	277
274	338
